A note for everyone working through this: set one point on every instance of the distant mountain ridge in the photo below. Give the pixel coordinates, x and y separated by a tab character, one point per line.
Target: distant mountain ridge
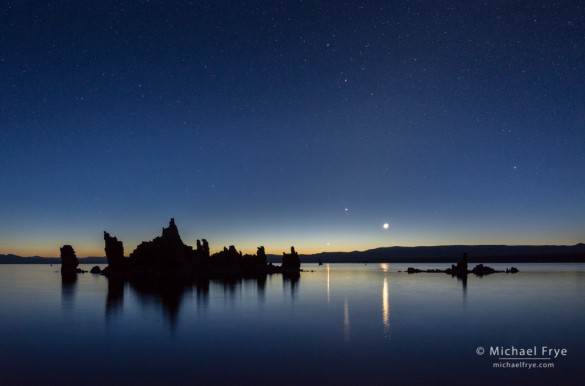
451	253
15	259
423	254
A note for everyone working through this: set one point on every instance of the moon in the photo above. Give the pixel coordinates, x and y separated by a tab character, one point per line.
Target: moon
386	225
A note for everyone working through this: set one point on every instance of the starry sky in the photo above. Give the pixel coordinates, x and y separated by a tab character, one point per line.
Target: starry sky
279	123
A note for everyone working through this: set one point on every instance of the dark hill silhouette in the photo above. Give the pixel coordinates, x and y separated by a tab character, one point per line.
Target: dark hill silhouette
449	253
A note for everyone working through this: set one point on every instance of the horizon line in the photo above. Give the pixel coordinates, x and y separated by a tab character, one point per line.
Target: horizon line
353	251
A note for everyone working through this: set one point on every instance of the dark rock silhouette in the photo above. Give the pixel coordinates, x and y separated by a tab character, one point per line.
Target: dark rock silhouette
114	252
202	252
68	258
233	262
229	258
69	261
291	261
461	271
481	270
261	256
167	255
95	269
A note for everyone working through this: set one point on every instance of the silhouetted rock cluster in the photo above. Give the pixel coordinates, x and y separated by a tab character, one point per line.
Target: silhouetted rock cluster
202	251
166	257
167	254
481	270
416	270
461	271
291	261
230	260
164	253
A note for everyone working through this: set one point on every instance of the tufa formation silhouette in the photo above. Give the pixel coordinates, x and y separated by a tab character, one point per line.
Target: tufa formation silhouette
168	255
69	261
461	271
291	261
114	253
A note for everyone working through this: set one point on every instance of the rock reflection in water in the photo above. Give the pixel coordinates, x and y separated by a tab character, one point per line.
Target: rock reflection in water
166	293
169	293
261	282
114	297
463	280
68	288
291	280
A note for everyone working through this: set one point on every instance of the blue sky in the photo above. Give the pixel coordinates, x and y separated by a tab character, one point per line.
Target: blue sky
291	123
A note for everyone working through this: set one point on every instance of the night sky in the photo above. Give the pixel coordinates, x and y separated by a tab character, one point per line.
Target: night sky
284	123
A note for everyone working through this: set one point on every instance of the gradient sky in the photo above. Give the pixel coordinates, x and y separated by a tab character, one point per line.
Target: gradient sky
282	123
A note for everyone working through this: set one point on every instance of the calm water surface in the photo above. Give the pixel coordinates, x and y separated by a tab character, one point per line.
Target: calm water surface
340	324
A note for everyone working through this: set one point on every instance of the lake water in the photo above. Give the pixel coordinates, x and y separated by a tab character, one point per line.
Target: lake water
340	324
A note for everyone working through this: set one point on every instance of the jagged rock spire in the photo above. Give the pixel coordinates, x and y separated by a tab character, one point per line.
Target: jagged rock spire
171	234
114	251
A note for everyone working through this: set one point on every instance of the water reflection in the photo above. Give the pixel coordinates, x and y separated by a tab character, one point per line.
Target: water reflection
114	297
464	285
386	309
168	294
261	289
292	281
432	336
328	291
201	288
346	329
68	288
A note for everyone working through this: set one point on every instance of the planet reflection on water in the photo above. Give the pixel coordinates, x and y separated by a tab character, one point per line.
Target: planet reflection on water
334	324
